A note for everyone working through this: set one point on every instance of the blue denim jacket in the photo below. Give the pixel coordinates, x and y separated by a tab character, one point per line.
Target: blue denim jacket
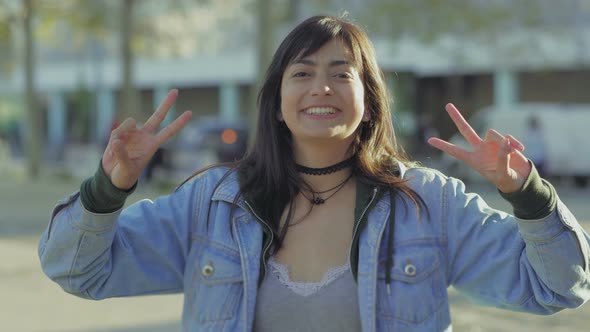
191	242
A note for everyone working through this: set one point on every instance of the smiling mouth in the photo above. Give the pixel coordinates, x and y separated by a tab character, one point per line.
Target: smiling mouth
320	110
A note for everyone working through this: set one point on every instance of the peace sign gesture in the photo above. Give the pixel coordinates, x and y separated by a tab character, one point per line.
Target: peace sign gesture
498	158
131	147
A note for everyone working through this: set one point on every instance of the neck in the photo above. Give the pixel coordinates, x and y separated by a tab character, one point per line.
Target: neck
318	156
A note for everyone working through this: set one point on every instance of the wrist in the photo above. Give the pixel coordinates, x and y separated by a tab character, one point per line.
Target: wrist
100	195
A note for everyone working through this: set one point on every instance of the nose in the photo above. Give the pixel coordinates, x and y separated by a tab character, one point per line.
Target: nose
321	87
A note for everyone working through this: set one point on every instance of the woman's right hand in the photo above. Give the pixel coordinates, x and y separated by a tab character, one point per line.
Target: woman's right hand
131	147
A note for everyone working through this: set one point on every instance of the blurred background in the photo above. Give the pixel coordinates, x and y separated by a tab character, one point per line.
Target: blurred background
71	70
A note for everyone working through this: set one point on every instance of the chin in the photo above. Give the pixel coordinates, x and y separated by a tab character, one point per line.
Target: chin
327	135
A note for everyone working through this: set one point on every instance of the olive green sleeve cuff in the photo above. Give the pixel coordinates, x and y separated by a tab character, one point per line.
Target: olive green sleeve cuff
99	195
535	200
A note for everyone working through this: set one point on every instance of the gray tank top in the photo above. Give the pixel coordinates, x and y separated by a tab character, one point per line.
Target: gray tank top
328	305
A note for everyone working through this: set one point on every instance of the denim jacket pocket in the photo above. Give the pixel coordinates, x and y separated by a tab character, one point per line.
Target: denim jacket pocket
217	283
417	288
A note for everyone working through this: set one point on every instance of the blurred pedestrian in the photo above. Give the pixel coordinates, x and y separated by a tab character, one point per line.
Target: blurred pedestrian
324	225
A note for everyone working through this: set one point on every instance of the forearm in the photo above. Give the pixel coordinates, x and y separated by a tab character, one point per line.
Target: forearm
555	240
535	200
558	249
99	195
537	265
76	245
100	255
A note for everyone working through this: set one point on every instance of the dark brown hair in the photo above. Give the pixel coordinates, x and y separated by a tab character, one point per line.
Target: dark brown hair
268	178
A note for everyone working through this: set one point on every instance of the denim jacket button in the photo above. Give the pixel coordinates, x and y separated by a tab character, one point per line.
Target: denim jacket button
208	270
410	270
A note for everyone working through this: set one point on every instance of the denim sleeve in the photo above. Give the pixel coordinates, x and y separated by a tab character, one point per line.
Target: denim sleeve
139	250
496	259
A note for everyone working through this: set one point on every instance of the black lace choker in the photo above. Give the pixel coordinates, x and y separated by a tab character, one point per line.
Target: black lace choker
326	170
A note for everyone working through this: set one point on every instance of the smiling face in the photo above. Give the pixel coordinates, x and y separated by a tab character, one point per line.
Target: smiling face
322	95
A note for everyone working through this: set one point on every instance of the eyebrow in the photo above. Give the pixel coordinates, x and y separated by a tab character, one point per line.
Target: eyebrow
333	63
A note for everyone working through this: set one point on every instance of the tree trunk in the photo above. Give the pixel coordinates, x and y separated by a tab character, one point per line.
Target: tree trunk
33	124
263	55
129	103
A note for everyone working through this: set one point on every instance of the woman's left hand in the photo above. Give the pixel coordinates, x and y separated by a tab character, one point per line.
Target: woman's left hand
498	158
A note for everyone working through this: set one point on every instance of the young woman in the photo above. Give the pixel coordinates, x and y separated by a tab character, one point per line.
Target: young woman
324	225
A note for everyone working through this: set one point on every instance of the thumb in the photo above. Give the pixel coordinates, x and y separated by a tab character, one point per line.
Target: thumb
120	153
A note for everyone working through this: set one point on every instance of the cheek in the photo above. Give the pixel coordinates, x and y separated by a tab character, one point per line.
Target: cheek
283	112
359	99
288	99
284	95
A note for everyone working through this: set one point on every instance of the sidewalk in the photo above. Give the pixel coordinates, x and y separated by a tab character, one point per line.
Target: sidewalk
31	302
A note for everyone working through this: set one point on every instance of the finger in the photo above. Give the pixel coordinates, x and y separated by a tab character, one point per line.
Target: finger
449	148
108	156
124	127
462	125
173	128
153	123
515	143
494	136
503	163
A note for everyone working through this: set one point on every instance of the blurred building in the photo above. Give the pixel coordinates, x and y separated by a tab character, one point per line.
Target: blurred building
547	63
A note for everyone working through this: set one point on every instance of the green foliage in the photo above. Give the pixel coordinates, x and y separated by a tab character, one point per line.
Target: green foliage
7	20
6	65
74	22
429	19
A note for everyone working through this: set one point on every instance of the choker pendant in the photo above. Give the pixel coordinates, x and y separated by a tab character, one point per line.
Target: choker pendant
318	200
315	199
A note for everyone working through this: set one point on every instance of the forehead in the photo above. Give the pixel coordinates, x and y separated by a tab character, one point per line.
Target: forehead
334	49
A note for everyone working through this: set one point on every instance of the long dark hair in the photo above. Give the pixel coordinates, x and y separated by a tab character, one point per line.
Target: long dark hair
268	177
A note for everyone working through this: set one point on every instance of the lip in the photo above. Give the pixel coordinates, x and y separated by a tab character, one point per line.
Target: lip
321	116
321	106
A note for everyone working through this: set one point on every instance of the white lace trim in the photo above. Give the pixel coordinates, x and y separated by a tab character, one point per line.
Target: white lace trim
306	288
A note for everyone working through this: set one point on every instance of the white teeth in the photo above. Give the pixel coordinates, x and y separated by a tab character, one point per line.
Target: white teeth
320	110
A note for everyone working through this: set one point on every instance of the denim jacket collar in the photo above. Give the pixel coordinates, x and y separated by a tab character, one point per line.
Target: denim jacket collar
229	188
367	196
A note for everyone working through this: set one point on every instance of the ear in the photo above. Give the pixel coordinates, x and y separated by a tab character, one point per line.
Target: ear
366	116
280	116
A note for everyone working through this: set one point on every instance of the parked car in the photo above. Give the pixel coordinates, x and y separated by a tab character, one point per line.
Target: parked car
202	143
565	127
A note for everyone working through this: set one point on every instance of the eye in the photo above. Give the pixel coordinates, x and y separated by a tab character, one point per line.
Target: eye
344	75
300	74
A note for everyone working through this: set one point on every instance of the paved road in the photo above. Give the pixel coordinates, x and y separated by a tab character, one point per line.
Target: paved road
30	302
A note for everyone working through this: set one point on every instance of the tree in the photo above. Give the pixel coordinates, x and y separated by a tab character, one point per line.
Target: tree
128	91
33	144
7	20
